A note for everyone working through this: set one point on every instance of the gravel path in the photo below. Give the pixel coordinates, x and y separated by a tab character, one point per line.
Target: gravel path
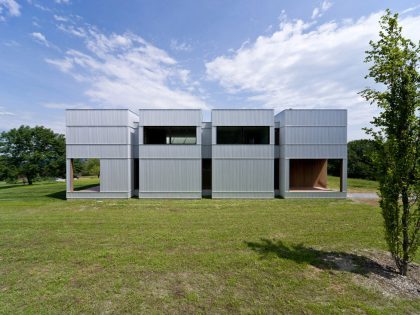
362	196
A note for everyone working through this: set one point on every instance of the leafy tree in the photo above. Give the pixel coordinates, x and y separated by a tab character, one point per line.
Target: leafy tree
92	167
360	164
32	152
394	65
359	161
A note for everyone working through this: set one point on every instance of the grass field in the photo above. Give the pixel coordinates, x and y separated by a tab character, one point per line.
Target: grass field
175	256
354	185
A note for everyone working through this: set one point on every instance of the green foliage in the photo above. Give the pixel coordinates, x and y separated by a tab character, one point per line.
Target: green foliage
32	153
394	65
91	167
360	164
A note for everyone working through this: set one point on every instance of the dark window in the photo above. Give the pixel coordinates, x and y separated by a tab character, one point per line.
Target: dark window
170	135
206	174
277	136
136	173
243	135
276	173
229	135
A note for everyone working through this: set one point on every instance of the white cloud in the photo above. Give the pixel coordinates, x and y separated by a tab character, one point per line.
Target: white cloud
40	38
10	7
62	1
180	46
5	113
123	70
303	67
410	9
11	43
59	105
73	30
54	121
319	11
60	18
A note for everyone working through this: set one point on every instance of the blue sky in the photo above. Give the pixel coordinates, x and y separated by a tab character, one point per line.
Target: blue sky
61	54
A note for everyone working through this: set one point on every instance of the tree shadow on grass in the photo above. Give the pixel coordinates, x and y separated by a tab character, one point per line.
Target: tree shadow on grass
62	193
8	186
339	261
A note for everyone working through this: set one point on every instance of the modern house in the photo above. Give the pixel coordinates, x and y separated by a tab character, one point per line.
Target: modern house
241	153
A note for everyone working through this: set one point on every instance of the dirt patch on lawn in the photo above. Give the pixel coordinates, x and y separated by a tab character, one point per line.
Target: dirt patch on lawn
376	270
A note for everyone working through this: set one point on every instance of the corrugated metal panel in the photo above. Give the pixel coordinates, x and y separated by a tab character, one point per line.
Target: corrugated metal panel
206	136
276	151
68	177
115	175
97	195
243	151
167	117
170	176
206	151
316	194
133	120
344	174
135	151
284	176
98	151
134	136
97	135
243	117
297	151
242	195
101	117
330	117
171	195
313	135
170	151
243	176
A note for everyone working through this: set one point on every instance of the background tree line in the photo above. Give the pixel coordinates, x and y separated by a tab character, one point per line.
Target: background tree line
30	154
34	153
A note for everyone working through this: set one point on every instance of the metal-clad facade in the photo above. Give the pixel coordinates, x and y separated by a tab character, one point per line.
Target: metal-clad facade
170	117
97	117
242	117
169	170
206	152
115	175
175	171
242	171
107	135
311	134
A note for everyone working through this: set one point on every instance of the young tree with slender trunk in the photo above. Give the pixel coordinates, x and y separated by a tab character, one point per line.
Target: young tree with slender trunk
394	65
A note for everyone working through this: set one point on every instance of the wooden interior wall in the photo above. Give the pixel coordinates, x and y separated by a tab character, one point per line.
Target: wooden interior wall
71	188
308	173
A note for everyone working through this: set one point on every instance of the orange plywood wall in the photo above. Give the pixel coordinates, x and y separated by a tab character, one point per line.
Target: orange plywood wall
308	173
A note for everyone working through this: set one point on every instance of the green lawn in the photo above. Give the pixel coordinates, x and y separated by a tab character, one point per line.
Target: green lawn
354	185
177	256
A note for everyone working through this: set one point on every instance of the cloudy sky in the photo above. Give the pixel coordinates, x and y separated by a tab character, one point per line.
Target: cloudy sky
58	54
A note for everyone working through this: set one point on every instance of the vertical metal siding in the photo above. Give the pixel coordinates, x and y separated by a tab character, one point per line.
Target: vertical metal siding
243	175
107	135
97	135
243	117
171	175
115	175
167	117
91	117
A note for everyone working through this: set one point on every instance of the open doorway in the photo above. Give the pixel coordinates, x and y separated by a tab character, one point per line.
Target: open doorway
313	175
85	175
206	177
